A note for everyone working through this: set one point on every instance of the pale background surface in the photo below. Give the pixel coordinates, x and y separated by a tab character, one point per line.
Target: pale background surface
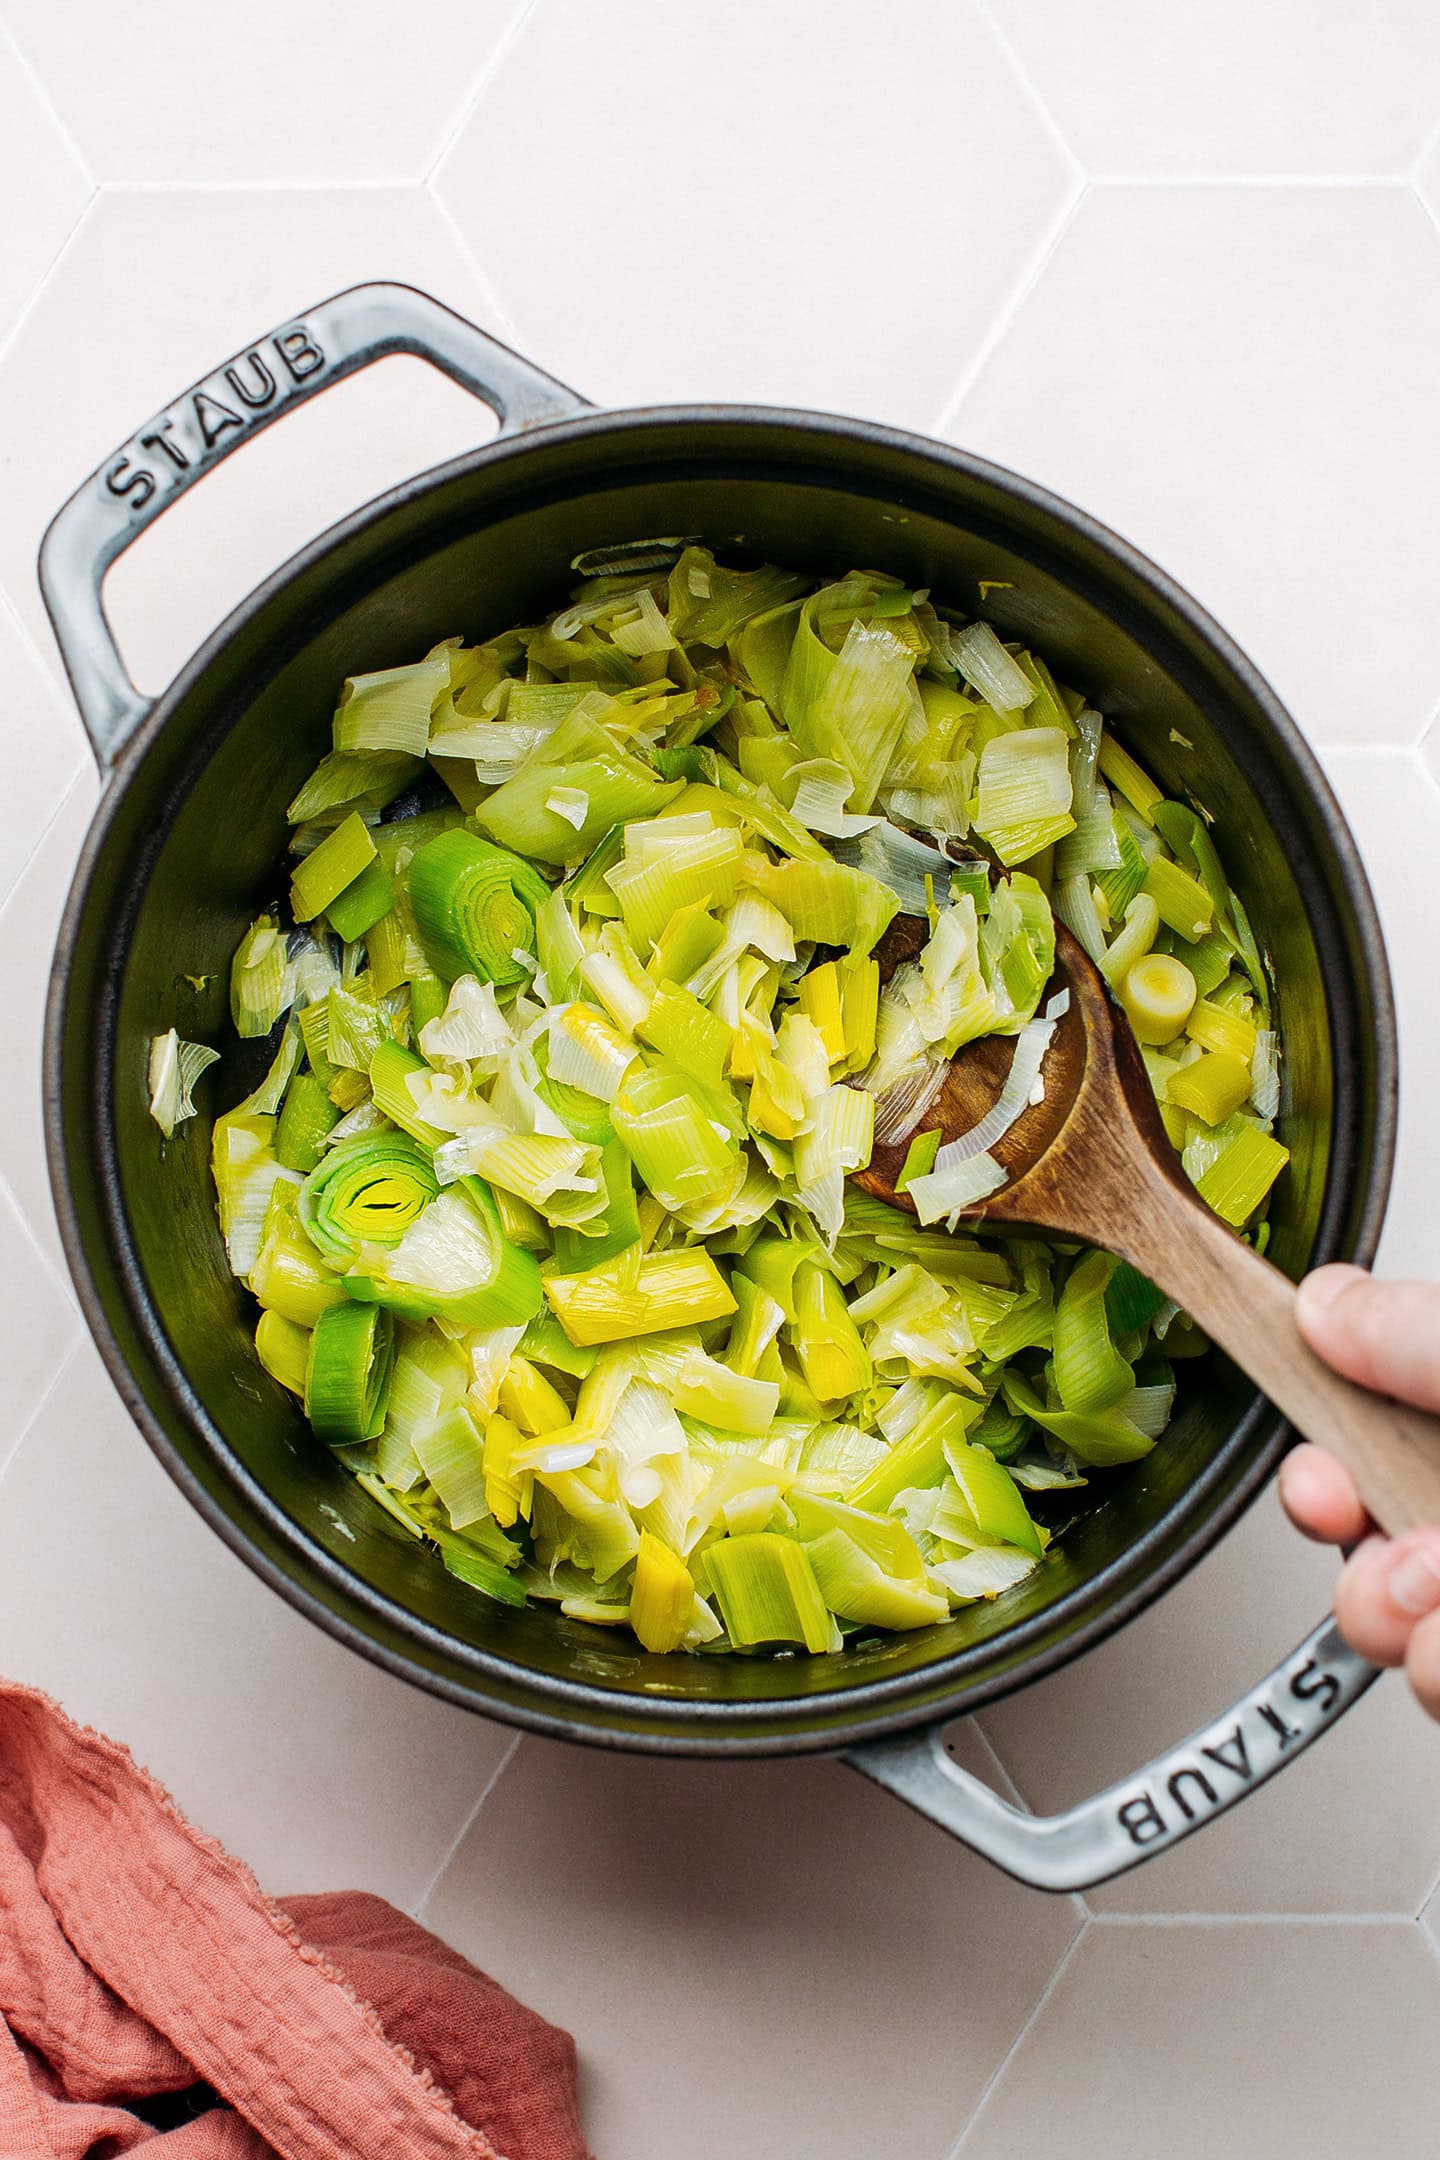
1177	258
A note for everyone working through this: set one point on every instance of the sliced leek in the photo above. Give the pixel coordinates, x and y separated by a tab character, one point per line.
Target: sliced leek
546	1195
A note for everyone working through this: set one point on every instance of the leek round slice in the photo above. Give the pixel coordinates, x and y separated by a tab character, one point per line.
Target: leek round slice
475	906
1158	994
367	1191
347	1382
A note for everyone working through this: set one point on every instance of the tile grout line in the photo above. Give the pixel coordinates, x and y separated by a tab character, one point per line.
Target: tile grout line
448	1856
393	184
1007	1779
60	1281
49	1389
1428	144
1252	1919
1396	182
1429	1940
1425	210
41	837
1003	2065
477	269
7	342
500	52
42	93
1424	1902
1040	262
1020	70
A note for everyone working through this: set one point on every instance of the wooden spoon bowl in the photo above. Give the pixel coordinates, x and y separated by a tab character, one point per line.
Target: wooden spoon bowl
1093	1161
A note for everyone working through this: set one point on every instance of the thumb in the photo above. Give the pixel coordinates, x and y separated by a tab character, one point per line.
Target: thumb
1386	1335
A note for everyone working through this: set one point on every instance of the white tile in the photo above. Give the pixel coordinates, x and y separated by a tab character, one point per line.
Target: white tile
28	923
1346	1828
1392	801
43	187
1246	2043
773	1959
319	1770
1241	381
1219	86
796	207
336	90
42	747
252	259
39	1325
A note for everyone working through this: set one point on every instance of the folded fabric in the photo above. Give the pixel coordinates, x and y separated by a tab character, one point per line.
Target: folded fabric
156	2002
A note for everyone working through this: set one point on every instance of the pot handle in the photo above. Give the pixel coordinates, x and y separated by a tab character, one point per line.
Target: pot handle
215	416
1159	1805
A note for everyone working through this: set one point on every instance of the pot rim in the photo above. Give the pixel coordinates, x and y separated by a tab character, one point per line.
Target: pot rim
826	1720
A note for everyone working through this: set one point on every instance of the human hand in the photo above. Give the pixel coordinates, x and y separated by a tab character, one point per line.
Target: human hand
1386	1336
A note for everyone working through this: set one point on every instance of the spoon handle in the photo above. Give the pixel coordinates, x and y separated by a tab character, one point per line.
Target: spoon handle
1248	1307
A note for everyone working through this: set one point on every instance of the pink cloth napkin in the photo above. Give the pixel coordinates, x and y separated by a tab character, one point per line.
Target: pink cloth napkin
139	1959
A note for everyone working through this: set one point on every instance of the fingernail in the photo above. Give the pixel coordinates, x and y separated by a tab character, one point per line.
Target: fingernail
1413	1580
1320	1290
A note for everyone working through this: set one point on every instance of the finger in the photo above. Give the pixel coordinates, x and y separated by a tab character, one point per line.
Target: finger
1385	1588
1422	1663
1385	1335
1320	1498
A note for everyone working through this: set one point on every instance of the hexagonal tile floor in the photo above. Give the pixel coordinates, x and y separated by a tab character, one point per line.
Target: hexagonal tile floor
1180	260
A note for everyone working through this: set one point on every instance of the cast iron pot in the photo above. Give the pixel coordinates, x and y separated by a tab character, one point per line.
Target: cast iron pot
185	845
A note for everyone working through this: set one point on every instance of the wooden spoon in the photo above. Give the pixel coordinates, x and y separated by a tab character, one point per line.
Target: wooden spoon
1093	1161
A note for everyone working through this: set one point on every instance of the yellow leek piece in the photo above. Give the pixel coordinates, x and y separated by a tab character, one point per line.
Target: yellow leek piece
1182	900
758	1320
1158	995
833	1359
290	1279
507	1490
323	874
666	1290
821	1003
1142	925
283	1348
661	1595
601	1529
1242	1174
767	1592
528	1399
704	1388
1176	1123
860	1006
777	1099
1133	782
742	1048
1212	1088
682	1029
685	944
857	1588
1216	1027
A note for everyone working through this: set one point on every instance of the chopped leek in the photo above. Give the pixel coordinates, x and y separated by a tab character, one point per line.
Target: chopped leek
347	1379
174	1068
661	1290
1242	1174
476	907
1158	993
546	1197
325	872
766	1590
1024	797
365	1192
262	983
